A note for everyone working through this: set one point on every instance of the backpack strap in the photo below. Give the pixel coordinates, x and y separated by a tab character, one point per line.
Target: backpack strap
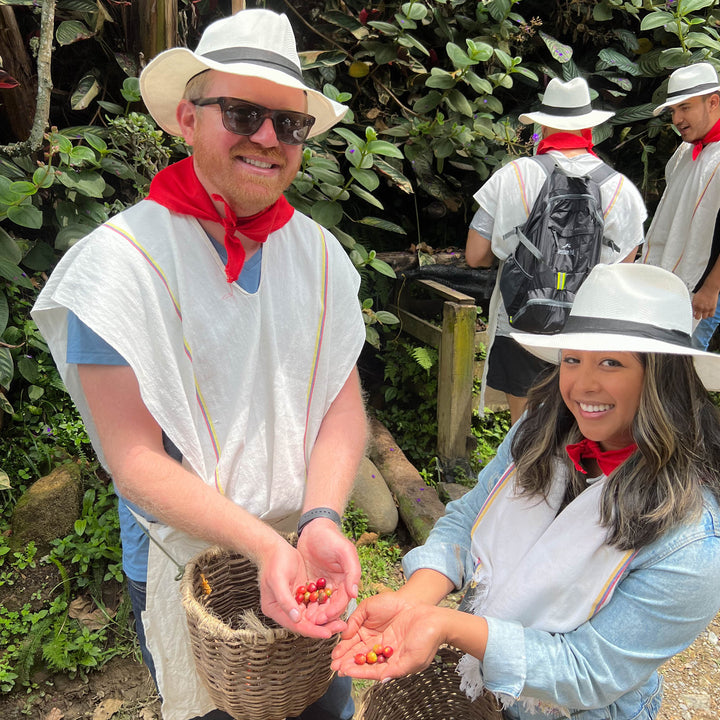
601	173
546	162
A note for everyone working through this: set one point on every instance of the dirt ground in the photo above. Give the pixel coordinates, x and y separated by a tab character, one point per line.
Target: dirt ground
123	690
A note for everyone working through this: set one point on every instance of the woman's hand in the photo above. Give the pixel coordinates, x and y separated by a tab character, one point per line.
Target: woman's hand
414	631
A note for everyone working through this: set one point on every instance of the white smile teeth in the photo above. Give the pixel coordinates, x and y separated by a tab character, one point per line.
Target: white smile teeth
585	407
257	163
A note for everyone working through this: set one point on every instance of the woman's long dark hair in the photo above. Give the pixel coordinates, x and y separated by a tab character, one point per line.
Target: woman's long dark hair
677	431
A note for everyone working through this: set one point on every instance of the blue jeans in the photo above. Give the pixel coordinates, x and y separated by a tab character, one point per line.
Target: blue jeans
705	330
335	704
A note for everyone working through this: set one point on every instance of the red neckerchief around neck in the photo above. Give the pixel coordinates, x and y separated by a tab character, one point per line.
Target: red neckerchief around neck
566	141
178	188
713	135
607	460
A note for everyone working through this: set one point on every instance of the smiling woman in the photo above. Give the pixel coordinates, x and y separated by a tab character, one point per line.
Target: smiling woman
602	390
590	548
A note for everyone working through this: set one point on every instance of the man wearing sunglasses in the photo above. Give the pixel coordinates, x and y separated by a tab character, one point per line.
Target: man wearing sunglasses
209	336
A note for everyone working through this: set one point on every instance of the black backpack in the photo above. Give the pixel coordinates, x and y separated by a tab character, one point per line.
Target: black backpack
558	245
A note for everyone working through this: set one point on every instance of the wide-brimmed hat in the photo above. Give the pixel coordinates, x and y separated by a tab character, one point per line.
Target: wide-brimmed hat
566	106
628	307
252	43
689	82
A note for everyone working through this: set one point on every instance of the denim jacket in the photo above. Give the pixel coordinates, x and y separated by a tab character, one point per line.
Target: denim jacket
606	669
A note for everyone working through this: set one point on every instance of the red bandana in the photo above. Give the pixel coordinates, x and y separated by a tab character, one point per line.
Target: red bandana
178	188
566	141
713	135
607	460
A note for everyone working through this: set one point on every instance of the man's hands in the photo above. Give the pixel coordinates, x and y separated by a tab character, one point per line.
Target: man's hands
329	554
704	302
323	551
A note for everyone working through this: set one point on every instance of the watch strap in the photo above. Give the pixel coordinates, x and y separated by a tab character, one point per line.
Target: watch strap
319	512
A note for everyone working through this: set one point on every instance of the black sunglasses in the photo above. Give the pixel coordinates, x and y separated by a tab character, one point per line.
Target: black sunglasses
245	118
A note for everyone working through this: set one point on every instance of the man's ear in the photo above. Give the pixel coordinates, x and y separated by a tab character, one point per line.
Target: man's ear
714	102
186	117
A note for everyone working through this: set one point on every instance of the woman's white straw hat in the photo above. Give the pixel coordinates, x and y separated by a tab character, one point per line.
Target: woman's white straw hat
628	307
689	82
252	43
566	106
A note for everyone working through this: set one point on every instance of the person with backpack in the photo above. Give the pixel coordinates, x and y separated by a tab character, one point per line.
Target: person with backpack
594	220
684	236
589	549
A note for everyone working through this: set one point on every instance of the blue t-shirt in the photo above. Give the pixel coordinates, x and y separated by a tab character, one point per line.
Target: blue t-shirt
85	347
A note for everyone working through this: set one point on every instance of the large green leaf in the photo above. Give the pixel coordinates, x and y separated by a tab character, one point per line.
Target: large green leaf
656	19
397	178
561	52
342	19
441	79
365	195
460	59
326	213
86	182
4	312
427	103
14	274
9	249
324	175
85	92
28	368
40	258
613	58
690	6
384	28
633	114
26	215
70	31
383	224
7	367
383	147
367	178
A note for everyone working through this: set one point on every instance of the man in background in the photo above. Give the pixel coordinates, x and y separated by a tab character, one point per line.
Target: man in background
684	236
505	201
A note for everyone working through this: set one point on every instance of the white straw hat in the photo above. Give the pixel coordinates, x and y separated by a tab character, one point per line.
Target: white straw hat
566	106
252	43
689	82
628	307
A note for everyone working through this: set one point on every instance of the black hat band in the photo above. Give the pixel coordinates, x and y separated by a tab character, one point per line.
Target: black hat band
258	57
695	90
583	324
565	111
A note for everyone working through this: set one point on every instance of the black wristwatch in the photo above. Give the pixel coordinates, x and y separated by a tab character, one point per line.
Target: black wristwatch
319	512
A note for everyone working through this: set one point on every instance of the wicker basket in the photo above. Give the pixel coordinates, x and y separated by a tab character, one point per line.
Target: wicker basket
433	694
252	668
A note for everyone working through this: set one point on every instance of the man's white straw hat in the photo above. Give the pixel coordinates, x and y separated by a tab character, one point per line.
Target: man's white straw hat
628	307
566	106
689	82
252	43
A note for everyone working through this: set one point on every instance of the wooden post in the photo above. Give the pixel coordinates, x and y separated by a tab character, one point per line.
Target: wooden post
455	380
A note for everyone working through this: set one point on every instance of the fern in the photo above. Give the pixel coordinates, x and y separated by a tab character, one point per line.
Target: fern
425	357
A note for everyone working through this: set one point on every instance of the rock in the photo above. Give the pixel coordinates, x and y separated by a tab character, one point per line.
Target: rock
696	701
447	492
371	494
418	504
48	509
